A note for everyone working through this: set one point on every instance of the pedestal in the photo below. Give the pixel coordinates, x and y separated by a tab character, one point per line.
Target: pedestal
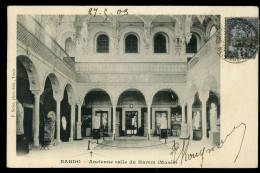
184	131
78	134
88	132
214	137
197	135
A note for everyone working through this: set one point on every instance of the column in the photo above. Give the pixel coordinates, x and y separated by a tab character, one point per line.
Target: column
204	119
148	121
58	120
78	135
189	113
183	113
72	122
114	122
184	126
36	117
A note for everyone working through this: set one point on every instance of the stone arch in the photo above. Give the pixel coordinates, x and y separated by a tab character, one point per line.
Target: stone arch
70	46
165	29
209	27
123	32
166	36
166	89
55	82
199	42
128	89
146	20
212	84
193	90
70	92
137	16
64	36
215	21
82	97
95	32
200	33
96	39
178	93
31	71
163	16
138	41
128	29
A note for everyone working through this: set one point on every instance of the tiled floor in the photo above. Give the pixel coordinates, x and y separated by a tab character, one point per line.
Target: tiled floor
124	144
80	147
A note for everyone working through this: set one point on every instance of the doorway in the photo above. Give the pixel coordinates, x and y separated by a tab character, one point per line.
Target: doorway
131	118
101	121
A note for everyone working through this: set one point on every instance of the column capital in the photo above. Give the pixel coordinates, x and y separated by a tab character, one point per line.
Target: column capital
72	104
58	99
183	103
204	99
190	102
149	105
37	92
79	104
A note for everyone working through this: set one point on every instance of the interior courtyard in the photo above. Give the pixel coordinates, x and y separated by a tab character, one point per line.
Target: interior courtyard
116	82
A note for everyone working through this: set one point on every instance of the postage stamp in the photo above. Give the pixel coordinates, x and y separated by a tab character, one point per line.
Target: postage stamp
241	41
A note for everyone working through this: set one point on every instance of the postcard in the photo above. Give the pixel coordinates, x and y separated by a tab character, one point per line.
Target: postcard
132	86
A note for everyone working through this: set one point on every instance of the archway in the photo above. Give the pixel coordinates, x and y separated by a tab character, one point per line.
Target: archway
25	107
47	104
131	113
96	113
213	30
166	112
48	110
65	115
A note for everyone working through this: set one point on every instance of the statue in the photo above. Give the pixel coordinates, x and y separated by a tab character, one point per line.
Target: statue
63	123
213	117
50	125
22	146
196	120
19	118
64	132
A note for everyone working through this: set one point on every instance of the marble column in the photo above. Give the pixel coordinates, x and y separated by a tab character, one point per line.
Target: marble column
183	113
58	120
184	126
189	113
36	117
78	135
148	122
204	119
72	122
114	122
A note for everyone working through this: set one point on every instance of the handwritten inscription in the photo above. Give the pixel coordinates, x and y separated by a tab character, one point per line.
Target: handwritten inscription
185	156
95	11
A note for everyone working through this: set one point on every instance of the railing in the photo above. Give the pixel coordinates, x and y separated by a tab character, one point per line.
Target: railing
31	33
132	67
211	45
